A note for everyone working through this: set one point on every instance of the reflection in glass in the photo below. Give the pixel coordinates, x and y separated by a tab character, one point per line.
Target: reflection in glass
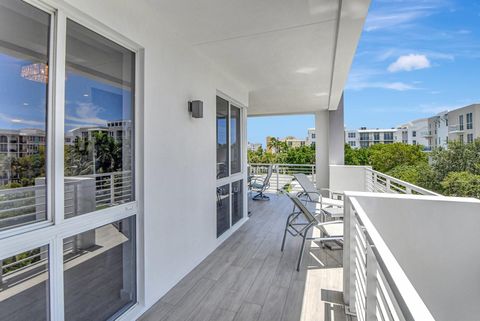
24	286
24	43
223	209
99	272
236	141
237	201
222	138
99	109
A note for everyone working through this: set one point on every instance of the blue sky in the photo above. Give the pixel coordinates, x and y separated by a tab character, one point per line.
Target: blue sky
414	59
88	102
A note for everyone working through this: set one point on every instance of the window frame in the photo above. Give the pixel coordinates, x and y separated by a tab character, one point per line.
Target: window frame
55	228
242	174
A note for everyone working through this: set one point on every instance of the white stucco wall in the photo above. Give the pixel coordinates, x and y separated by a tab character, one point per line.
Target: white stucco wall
435	241
180	171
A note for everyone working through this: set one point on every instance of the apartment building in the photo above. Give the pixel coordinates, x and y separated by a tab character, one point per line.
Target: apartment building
364	137
437	131
21	142
411	132
311	137
289	140
464	123
253	146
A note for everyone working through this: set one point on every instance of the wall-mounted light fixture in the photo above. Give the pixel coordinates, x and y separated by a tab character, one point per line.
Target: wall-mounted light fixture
196	108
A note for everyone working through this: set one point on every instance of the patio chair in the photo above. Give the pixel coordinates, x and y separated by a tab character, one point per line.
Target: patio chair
329	231
260	184
329	206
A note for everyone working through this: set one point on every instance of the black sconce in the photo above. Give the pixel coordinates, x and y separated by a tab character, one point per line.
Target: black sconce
196	108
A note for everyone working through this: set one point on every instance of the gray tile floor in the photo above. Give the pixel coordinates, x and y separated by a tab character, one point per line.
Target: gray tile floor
248	278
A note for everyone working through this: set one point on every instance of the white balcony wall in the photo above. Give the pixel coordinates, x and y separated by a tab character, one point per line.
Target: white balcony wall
436	242
180	152
348	178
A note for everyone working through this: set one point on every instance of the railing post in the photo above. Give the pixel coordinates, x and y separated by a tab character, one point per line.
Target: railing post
371	297
1	273
388	184
375	182
278	177
112	190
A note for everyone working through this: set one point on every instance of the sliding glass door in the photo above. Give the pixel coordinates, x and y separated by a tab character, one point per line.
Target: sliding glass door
68	201
230	164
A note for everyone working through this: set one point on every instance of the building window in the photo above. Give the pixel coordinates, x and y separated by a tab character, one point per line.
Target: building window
230	189
376	137
352	135
96	172
460	138
414	133
24	62
223	139
313	135
352	143
414	142
469	138
235	139
364	136
470	121
388	136
460	122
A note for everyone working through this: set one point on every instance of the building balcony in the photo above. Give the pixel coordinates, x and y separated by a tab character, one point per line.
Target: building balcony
456	129
426	134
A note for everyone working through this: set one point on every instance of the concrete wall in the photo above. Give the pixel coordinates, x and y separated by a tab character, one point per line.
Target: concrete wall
337	135
436	242
348	178
179	183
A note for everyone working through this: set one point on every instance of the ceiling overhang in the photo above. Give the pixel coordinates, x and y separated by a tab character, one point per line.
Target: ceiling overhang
293	56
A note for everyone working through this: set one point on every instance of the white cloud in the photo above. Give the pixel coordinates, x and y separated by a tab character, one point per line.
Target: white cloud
86	113
410	62
398	86
28	122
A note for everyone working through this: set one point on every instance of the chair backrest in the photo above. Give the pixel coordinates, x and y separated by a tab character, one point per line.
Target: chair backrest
305	211
269	174
307	186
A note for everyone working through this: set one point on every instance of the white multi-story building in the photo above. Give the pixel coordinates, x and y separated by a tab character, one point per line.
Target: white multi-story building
253	146
365	137
310	137
21	142
464	123
411	132
437	131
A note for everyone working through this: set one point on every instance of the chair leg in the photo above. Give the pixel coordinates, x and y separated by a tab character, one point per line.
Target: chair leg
261	197
300	257
285	232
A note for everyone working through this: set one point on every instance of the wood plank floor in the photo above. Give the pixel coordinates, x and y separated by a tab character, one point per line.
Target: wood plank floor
248	278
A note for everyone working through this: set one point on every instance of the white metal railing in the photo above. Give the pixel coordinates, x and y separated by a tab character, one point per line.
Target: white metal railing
28	204
456	128
375	286
282	175
382	183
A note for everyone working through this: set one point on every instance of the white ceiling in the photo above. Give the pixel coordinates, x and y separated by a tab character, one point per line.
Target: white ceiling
293	55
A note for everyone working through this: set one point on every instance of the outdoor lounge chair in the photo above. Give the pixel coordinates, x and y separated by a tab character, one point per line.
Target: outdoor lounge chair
260	184
331	207
330	231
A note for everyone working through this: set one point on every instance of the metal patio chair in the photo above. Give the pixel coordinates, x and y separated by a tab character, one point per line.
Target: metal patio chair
327	206
260	184
295	226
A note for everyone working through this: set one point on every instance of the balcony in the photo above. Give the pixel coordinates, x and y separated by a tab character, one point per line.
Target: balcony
456	129
377	276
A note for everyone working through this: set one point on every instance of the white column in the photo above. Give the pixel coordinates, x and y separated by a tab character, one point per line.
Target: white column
337	135
321	149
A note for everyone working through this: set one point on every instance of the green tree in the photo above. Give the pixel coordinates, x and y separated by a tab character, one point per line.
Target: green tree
356	156
458	157
462	184
421	174
385	157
